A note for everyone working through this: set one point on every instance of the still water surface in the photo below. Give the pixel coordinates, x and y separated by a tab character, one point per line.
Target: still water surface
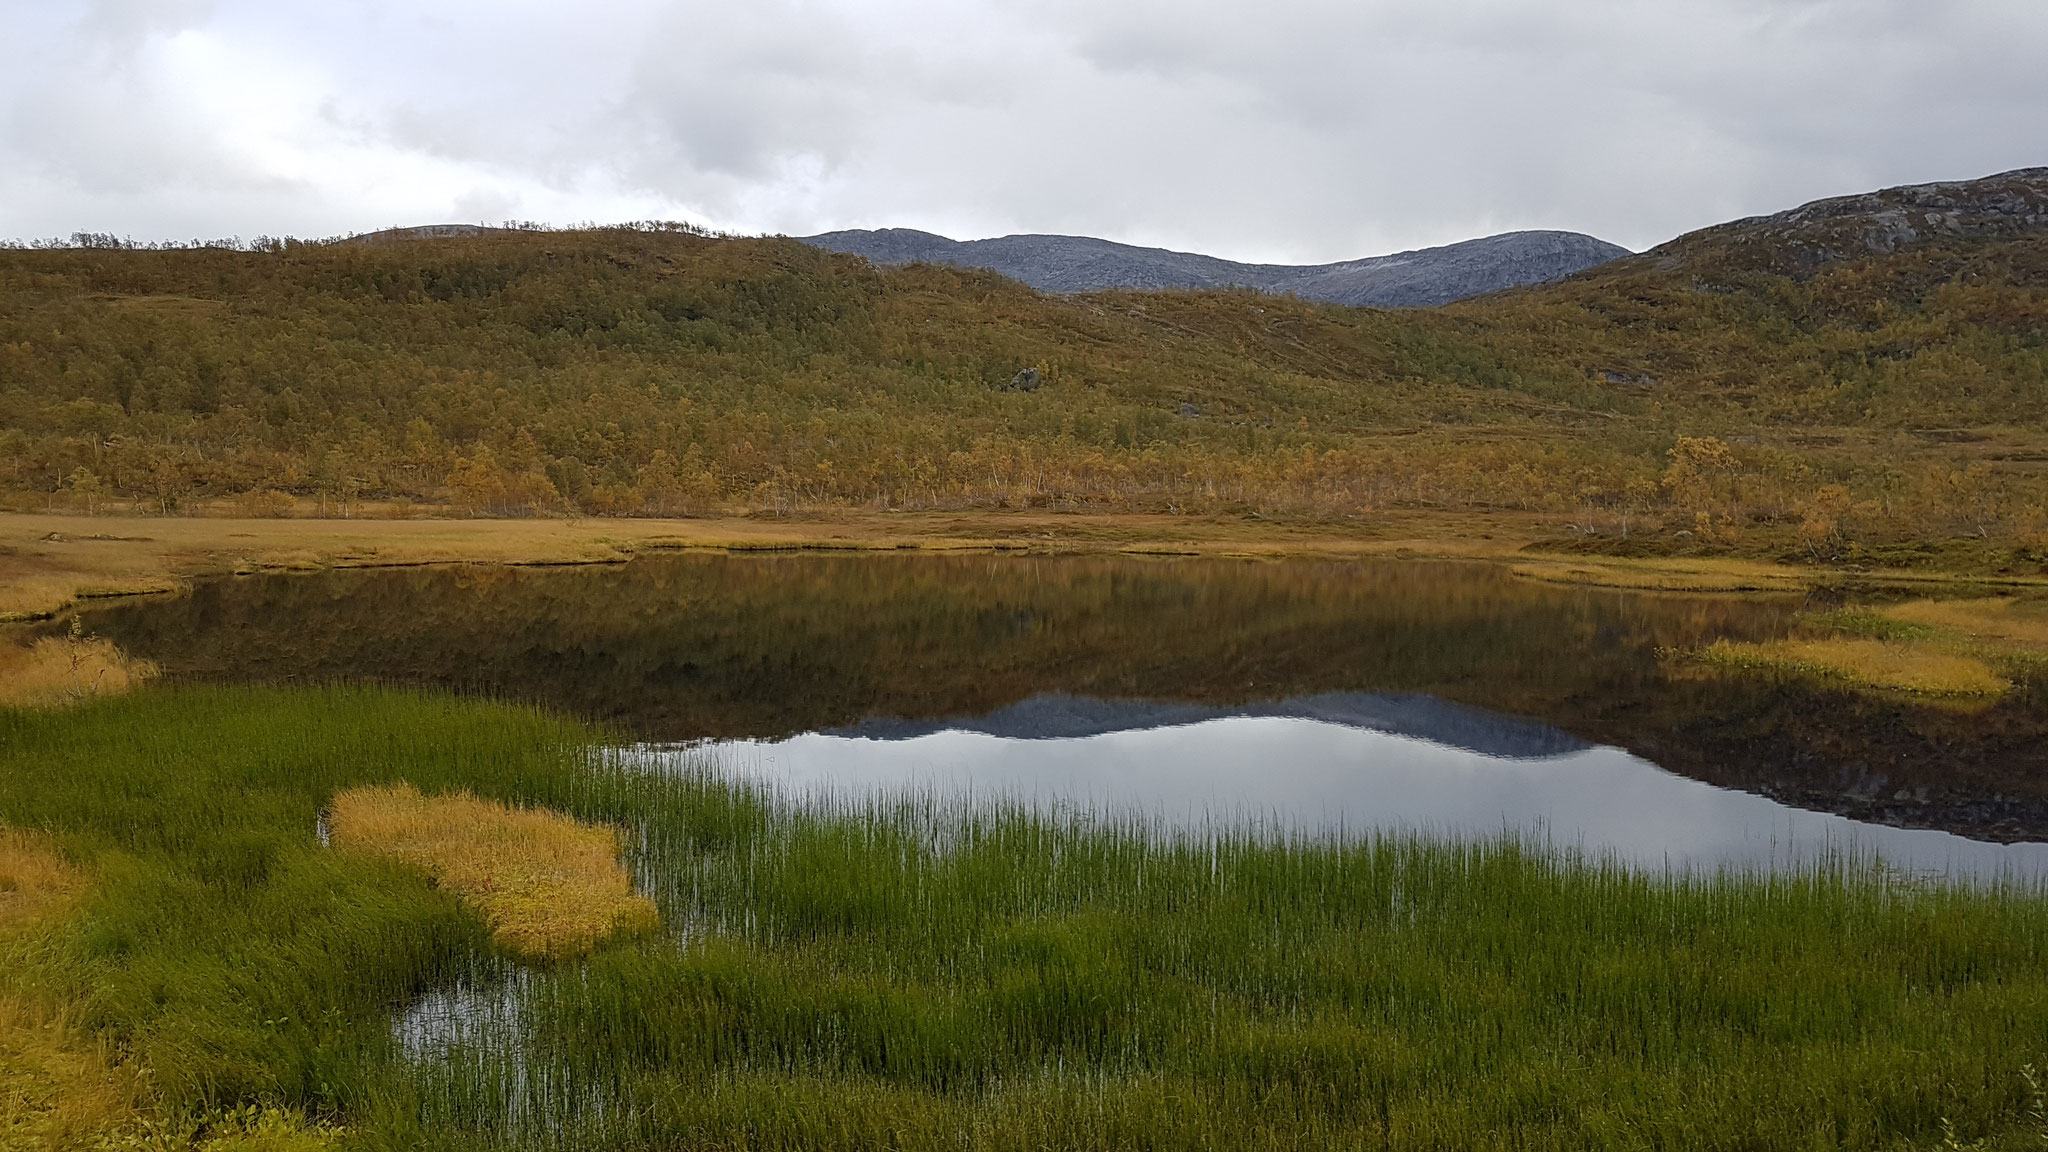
1309	774
1315	697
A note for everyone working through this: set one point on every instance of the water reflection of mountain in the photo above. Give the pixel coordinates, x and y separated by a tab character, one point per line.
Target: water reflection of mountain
1057	716
691	647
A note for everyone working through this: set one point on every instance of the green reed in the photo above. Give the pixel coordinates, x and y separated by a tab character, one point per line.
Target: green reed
913	973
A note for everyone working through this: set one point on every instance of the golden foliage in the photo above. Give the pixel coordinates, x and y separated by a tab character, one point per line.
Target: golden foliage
547	885
264	504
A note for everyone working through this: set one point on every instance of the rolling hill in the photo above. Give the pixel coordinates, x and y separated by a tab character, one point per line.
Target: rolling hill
1860	377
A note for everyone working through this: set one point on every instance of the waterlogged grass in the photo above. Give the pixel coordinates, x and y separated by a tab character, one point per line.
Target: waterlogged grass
548	885
1882	665
2019	624
914	976
1955	650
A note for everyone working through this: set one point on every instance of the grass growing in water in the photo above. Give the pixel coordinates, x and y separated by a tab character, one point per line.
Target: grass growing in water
2021	624
917	977
1958	650
1886	666
548	885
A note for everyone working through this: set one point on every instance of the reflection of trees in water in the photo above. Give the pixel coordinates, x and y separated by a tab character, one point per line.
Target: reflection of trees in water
765	646
708	645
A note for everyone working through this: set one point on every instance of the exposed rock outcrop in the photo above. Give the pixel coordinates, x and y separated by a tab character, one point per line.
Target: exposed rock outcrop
1803	240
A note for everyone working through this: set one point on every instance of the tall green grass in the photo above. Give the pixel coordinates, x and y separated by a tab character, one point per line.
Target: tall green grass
910	975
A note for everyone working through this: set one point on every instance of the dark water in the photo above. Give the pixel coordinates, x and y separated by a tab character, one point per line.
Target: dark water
1446	697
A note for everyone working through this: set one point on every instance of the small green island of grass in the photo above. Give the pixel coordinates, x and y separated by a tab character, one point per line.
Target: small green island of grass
1963	651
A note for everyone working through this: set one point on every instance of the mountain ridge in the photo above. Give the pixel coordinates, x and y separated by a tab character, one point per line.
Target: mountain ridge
1420	277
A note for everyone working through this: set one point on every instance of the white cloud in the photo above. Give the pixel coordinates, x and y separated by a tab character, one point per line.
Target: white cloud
1292	129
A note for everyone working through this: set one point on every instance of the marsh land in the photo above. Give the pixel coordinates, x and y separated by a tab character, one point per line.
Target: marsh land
629	688
259	908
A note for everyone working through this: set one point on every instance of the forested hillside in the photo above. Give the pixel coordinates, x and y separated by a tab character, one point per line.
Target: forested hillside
1784	384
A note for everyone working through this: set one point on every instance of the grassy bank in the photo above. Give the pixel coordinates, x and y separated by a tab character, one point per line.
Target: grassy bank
918	978
50	562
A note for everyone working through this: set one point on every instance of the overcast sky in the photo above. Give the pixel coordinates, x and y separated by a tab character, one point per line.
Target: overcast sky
1284	130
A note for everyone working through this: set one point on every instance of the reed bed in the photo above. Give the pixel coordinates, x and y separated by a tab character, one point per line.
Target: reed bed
911	974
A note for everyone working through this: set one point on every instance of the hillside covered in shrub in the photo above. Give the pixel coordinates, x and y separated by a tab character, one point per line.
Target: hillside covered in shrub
1858	374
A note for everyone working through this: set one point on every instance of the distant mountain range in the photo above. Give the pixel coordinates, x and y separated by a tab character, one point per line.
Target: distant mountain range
1416	279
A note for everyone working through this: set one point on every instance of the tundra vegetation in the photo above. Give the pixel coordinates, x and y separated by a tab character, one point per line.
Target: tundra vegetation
910	974
1885	409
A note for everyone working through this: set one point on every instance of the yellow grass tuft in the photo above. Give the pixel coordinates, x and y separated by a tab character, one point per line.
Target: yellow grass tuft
59	671
1894	667
548	885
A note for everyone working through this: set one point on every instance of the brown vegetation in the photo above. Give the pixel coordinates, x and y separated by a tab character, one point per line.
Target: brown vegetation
547	885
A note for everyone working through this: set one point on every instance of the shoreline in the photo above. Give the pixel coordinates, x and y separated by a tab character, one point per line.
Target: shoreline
51	562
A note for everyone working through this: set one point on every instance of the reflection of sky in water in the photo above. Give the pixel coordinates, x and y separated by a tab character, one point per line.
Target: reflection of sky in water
1313	775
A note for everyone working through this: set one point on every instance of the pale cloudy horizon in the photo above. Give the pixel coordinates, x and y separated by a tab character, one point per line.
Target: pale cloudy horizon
1295	131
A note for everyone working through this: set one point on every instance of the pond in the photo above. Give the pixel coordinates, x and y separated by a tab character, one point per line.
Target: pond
1298	697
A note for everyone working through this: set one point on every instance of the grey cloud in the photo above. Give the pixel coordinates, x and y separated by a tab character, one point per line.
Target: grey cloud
1291	129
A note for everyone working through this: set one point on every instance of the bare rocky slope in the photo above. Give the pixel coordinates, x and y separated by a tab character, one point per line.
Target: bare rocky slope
1404	280
1805	240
